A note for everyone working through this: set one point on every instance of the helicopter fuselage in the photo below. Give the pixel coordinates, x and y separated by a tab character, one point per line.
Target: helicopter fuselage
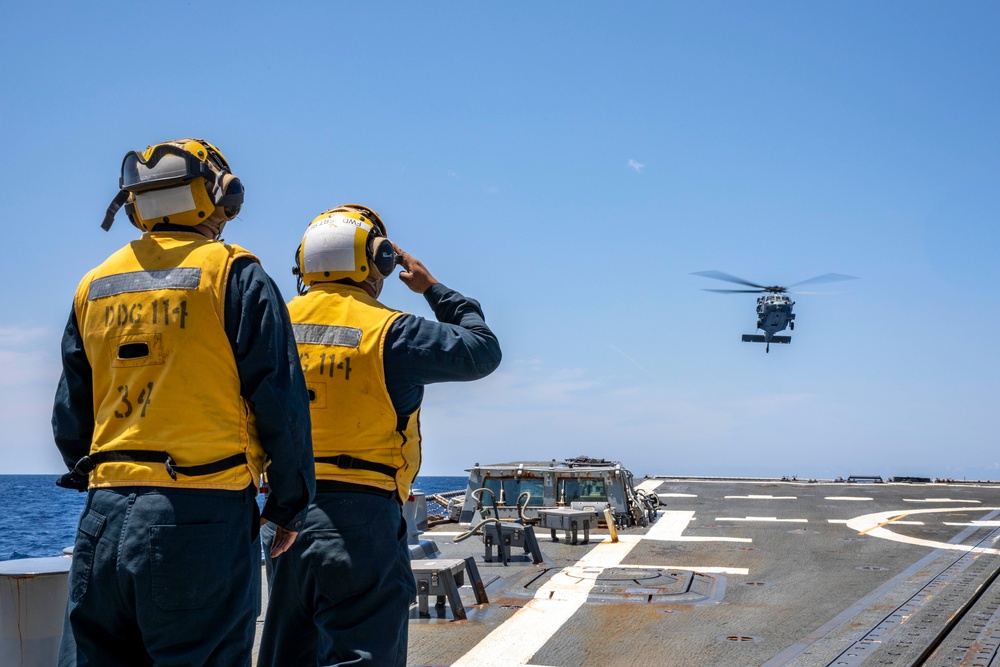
774	314
774	307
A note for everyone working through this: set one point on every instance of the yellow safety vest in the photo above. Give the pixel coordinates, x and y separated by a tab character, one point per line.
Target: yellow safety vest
164	377
340	332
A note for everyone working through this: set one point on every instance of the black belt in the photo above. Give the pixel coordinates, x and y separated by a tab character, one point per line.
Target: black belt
334	486
77	478
346	461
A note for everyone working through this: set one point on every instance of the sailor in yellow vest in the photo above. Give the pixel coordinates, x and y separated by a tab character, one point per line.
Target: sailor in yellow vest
180	384
340	595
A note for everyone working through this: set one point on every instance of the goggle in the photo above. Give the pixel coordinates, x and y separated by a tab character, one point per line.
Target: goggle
167	165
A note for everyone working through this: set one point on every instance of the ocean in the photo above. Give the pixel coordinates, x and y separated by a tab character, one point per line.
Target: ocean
38	519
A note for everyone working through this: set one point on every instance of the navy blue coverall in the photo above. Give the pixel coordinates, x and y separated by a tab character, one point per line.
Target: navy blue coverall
340	595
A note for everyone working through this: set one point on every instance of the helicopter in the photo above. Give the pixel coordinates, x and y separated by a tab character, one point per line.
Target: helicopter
774	307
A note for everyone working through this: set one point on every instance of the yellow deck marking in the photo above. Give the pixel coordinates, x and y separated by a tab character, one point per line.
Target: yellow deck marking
884	523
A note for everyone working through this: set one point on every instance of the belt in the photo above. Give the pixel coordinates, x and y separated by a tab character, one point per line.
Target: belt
78	477
349	462
333	486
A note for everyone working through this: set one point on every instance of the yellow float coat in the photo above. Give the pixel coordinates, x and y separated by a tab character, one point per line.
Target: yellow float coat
340	332
164	376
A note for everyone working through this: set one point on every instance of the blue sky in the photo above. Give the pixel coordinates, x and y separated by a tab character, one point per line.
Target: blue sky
570	165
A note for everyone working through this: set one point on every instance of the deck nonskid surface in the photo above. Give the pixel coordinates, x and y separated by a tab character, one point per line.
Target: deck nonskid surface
732	572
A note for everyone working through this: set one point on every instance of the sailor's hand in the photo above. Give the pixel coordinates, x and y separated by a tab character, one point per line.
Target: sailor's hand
414	274
283	538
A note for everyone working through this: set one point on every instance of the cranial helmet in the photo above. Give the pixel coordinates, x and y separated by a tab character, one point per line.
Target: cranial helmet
184	182
346	242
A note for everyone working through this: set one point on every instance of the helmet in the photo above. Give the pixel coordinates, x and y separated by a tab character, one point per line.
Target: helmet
185	182
345	242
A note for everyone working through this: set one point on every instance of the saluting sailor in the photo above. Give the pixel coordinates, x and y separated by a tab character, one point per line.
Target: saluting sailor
180	384
340	595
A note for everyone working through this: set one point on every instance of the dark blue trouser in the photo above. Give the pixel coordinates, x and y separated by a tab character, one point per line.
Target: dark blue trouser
164	577
341	594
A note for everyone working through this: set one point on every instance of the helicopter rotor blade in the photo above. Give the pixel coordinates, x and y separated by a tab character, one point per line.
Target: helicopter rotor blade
735	291
719	275
825	278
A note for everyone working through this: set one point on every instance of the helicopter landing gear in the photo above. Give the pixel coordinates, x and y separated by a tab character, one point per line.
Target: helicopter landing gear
767	348
791	325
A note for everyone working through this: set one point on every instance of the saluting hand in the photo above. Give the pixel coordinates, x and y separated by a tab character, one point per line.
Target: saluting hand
414	274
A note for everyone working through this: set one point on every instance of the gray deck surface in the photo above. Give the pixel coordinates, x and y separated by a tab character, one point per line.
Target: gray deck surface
742	573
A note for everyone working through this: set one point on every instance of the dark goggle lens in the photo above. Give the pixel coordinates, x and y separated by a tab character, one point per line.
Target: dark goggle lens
160	170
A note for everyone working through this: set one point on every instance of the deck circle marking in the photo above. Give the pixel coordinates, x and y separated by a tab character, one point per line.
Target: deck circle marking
875	525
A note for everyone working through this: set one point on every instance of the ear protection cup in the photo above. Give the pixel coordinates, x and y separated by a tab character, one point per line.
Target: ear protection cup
298	269
130	210
381	257
228	194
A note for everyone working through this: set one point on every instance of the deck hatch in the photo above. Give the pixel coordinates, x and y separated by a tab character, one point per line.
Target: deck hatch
645	585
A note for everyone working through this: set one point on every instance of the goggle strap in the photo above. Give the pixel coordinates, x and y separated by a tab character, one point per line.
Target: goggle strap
217	188
113	207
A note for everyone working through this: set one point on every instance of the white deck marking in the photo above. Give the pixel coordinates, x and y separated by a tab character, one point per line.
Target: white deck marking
674	523
517	640
520	637
988	524
874	525
760	518
650	485
762	497
847	498
691	568
938	500
905	523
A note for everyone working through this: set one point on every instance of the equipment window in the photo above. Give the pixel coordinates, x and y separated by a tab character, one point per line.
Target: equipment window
591	490
513	487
